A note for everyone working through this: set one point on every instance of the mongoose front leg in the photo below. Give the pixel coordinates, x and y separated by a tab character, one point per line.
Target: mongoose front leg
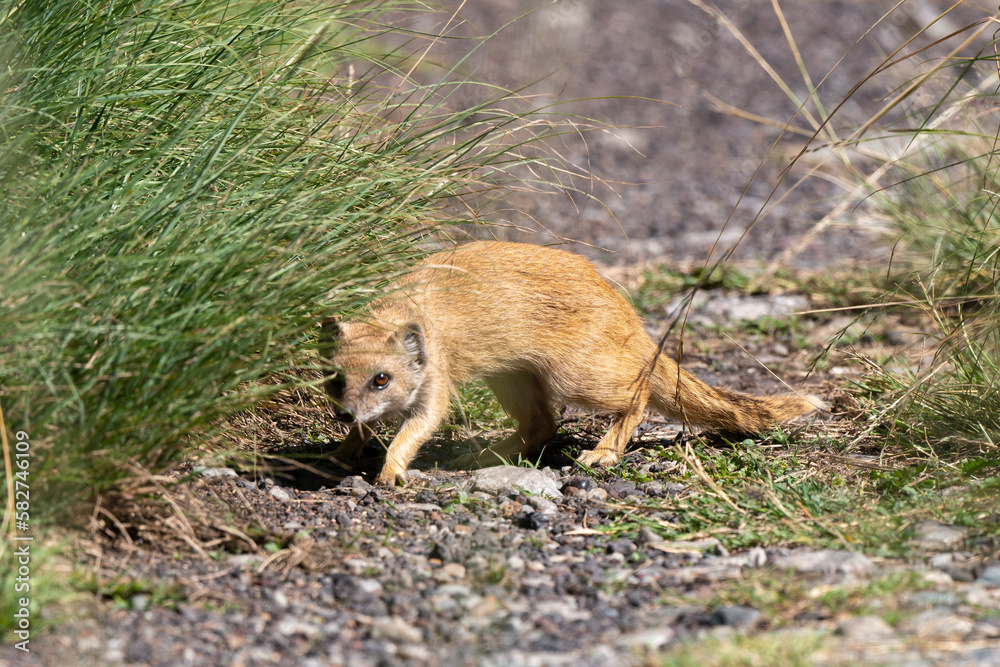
415	431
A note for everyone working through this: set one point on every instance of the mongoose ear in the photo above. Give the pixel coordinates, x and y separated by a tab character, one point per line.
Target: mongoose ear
415	343
330	335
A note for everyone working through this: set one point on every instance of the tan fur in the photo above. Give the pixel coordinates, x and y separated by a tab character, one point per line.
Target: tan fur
543	329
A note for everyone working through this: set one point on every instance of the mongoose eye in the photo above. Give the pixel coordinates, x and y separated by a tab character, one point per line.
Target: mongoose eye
381	381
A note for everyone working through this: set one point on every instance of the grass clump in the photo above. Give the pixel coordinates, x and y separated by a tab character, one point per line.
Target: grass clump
186	187
923	168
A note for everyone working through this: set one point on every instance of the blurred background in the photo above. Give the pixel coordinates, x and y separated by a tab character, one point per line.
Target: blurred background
676	161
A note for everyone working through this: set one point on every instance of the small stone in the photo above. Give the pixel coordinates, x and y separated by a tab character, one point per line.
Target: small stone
937	577
673	488
987	629
515	563
419	507
622	546
426	496
289	626
450	572
395	629
941	623
279	493
579	482
959	573
354	485
211	473
531	520
990	576
710	544
598	494
866	629
543	505
982	596
650	639
932	598
647	536
826	561
242	561
937	536
415	653
741	618
941	560
653	488
619	488
509	478
369	586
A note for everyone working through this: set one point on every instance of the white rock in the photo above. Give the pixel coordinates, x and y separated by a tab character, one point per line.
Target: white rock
279	493
937	536
209	473
504	478
866	629
288	626
826	561
395	629
650	639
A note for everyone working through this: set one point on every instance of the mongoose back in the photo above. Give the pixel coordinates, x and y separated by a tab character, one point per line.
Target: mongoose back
543	329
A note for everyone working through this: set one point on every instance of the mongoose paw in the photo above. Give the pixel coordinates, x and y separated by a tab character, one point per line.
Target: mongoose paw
598	458
390	477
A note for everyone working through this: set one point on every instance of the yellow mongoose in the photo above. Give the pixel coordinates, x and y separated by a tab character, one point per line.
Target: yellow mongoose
543	329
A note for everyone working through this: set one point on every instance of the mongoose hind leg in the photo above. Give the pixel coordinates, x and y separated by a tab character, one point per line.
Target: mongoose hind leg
526	401
610	449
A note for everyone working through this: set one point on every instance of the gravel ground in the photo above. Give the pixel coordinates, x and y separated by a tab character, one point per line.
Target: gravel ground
458	570
311	565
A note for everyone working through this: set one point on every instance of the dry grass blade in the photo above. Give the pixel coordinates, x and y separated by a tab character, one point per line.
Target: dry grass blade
687	454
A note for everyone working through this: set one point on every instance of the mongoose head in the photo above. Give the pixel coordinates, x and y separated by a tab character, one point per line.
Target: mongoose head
376	369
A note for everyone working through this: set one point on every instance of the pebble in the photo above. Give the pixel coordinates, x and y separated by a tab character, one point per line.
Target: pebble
395	629
543	505
498	479
651	639
647	536
716	308
940	623
936	536
741	618
210	473
990	576
866	629
279	493
450	572
826	561
288	626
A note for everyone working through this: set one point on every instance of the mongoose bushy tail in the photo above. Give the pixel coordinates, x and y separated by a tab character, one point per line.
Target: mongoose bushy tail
694	402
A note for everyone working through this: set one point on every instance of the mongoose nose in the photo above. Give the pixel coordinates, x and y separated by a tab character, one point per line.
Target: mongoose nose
343	415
